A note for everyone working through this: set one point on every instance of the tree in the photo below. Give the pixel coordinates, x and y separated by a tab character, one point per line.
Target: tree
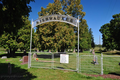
92	38
11	12
110	32
85	42
74	8
54	35
23	35
44	33
115	30
11	42
8	41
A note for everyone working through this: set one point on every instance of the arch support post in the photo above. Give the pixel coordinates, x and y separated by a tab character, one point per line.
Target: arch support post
29	54
78	46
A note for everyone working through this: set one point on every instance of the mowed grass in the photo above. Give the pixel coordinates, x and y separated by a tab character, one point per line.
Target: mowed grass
21	72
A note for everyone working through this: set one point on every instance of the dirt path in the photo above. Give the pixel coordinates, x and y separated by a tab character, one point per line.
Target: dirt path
112	76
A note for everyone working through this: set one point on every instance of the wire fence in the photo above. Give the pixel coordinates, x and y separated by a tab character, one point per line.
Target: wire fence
90	64
111	64
54	60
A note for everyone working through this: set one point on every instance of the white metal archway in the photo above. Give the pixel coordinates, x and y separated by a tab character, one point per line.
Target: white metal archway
54	18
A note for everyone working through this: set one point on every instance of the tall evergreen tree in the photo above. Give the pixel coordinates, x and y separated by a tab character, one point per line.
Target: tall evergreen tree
67	7
54	35
92	38
74	8
85	42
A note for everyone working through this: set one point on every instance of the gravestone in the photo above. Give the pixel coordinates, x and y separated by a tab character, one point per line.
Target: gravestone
96	60
3	57
9	68
35	55
25	60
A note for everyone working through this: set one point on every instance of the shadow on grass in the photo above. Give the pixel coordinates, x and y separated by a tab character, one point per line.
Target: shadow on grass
16	73
16	55
48	56
110	53
115	73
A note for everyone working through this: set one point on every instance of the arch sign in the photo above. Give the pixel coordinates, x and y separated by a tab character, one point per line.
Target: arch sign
55	18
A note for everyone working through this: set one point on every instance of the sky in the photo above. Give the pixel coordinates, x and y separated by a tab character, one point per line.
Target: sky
98	13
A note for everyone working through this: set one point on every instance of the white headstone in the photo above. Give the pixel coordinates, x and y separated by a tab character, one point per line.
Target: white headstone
3	57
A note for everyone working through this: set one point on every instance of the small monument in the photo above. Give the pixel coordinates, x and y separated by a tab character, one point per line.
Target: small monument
3	57
95	60
35	55
25	60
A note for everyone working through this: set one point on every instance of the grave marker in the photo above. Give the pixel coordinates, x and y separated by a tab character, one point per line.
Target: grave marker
9	68
35	55
25	60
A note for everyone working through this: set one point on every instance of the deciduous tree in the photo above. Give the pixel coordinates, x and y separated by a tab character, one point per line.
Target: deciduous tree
11	12
11	42
110	32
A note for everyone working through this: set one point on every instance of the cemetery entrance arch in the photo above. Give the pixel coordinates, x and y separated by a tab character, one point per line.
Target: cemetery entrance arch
53	18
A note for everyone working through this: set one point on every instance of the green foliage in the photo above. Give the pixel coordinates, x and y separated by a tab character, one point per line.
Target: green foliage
73	8
8	41
23	35
11	12
54	35
85	37
57	35
92	38
110	32
21	39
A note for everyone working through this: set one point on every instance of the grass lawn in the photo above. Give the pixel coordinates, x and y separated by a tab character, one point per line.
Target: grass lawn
21	72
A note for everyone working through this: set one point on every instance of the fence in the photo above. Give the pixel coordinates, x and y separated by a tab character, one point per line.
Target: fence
52	60
91	64
106	64
111	64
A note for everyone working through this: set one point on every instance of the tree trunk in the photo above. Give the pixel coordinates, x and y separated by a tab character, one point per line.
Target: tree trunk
82	50
62	50
58	50
11	53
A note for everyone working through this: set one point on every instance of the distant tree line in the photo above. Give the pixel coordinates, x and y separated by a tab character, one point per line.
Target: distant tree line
98	45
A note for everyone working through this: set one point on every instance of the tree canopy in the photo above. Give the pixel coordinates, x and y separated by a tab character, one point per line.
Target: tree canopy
110	32
56	35
11	12
21	40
